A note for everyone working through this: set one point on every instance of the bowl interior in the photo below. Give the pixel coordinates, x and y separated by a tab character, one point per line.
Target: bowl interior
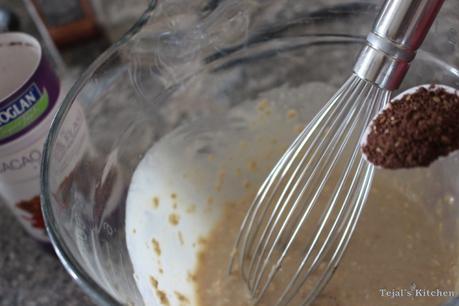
191	106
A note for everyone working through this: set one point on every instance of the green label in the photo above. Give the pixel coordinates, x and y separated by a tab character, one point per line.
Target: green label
26	118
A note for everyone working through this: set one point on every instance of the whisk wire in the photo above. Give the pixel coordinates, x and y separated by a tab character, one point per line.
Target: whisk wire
248	221
288	188
343	214
329	150
350	226
295	188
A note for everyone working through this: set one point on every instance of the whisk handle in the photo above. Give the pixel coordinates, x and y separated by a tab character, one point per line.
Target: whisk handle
398	32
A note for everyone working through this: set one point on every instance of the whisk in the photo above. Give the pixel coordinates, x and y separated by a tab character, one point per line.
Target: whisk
305	212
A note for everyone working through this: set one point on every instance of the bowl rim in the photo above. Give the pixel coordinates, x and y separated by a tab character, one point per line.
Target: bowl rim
99	295
96	292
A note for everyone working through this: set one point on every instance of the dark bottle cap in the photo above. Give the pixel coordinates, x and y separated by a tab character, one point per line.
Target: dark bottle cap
9	21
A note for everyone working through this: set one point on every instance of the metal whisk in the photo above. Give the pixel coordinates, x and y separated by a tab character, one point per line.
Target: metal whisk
304	214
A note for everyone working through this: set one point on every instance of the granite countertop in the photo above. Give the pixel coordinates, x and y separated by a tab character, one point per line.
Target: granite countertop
30	273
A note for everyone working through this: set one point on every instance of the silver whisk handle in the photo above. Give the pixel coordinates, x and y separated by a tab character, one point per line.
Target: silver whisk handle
399	31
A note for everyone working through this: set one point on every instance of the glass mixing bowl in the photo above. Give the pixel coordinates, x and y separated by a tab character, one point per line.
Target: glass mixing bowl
192	61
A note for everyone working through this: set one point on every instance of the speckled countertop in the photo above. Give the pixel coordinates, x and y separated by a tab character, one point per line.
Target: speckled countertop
30	273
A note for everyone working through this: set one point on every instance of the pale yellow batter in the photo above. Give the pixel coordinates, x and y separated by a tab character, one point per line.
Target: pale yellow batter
396	245
190	192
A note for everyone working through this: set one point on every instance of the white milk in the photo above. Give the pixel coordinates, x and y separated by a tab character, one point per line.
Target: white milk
181	186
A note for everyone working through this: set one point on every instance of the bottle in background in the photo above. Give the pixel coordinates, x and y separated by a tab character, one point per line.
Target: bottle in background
68	21
8	20
30	94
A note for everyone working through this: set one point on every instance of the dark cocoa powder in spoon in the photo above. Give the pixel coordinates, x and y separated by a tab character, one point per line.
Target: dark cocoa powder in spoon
415	130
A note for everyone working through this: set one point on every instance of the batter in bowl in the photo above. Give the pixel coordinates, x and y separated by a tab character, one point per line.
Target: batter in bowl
397	245
191	190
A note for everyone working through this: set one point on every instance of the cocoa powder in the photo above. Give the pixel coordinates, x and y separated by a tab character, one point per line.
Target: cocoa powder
415	130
